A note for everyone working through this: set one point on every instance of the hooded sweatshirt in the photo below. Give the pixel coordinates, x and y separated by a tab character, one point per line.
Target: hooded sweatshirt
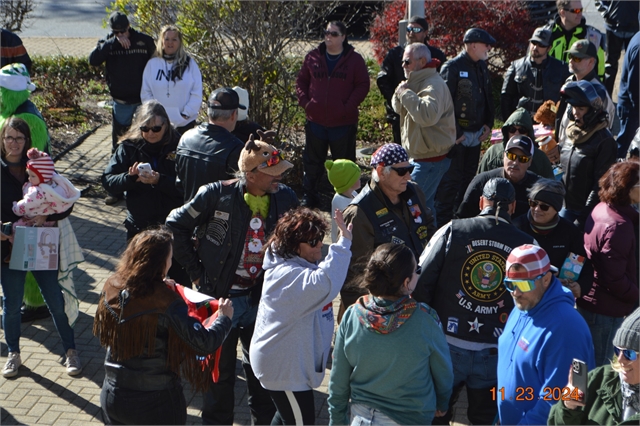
493	157
294	325
535	352
391	356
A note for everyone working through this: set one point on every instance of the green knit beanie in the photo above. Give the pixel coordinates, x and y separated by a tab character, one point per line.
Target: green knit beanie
342	174
628	335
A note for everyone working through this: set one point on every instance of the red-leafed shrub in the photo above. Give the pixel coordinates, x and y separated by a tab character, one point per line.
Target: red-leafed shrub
507	21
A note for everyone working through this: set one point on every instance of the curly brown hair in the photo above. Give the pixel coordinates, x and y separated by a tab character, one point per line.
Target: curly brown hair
142	265
617	182
389	266
295	227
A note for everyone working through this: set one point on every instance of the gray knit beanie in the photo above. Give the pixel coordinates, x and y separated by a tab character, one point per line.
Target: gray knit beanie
628	335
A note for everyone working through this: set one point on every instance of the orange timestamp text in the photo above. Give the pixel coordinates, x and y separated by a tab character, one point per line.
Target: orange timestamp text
528	394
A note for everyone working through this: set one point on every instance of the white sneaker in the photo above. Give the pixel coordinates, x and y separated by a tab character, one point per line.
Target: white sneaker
73	364
13	364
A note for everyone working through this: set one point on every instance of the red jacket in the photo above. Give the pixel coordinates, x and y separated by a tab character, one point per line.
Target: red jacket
332	100
611	245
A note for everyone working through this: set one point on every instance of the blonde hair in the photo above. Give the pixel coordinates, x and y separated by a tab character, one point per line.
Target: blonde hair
181	60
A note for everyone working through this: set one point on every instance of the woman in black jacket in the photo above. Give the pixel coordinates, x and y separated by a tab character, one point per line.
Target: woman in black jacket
150	339
151	194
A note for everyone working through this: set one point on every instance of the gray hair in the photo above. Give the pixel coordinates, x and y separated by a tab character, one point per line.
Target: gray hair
418	51
219	114
548	185
376	177
241	176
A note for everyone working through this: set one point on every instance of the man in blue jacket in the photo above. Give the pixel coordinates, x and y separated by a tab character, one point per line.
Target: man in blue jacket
543	334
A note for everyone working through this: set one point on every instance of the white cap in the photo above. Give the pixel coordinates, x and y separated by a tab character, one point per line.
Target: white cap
244	100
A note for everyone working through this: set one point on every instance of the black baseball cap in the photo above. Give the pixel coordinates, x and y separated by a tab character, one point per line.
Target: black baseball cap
521	142
499	190
478	35
118	21
225	98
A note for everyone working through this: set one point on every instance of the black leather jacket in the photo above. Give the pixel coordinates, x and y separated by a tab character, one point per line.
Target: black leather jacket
206	154
520	81
150	372
391	73
220	218
470	86
146	204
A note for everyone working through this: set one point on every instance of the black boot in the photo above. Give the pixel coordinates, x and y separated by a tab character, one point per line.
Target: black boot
30	313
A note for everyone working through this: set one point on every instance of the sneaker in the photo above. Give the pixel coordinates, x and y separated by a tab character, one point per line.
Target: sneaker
13	363
74	367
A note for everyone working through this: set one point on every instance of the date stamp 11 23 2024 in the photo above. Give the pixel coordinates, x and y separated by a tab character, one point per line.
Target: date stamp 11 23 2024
528	394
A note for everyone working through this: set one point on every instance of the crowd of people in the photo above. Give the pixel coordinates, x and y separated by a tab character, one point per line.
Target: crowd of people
456	268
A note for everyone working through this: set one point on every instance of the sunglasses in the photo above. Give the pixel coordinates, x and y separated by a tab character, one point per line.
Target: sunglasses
544	207
406	62
415	30
521	158
401	171
116	32
418	270
575	59
332	33
537	43
521	130
576	11
524	285
154	129
314	242
629	354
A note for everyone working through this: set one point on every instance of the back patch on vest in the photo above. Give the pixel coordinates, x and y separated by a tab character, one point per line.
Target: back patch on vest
482	275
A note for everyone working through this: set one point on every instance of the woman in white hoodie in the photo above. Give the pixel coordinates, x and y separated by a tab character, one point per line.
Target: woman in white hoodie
173	78
294	326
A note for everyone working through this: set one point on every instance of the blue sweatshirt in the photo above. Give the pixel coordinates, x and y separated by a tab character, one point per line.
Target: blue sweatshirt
535	352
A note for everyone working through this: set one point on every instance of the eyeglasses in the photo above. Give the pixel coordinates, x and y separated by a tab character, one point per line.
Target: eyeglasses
544	207
575	59
576	11
314	242
521	158
524	285
332	33
154	129
521	130
276	157
19	140
629	354
401	171
537	43
418	270
415	30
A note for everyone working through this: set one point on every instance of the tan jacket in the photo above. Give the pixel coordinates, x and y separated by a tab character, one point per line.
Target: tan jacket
427	121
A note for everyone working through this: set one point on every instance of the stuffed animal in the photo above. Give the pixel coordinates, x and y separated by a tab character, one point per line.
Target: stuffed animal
546	115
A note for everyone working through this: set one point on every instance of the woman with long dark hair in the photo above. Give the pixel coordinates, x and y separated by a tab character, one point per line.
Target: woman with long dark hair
150	339
391	361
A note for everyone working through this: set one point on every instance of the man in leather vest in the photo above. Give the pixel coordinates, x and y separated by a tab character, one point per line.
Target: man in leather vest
231	221
389	209
462	271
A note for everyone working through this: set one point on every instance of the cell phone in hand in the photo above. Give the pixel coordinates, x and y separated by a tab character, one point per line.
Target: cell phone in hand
144	169
578	378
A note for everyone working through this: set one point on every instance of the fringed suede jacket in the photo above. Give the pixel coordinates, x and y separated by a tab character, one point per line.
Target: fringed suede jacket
151	342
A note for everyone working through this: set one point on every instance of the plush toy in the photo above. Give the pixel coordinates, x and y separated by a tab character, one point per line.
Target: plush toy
546	115
15	89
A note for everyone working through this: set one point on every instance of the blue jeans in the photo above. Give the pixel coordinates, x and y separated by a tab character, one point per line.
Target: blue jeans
13	290
121	117
121	406
479	371
218	402
362	415
603	328
428	175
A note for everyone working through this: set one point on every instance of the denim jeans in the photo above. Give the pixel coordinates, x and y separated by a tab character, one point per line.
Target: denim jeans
219	400
428	175
478	370
121	406
362	415
13	290
121	117
603	328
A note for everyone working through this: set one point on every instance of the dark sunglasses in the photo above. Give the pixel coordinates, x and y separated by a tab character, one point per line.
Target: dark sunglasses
401	171
537	43
415	30
544	207
406	62
576	11
522	284
154	129
629	354
314	242
521	130
575	59
418	270
116	32
521	158
332	33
